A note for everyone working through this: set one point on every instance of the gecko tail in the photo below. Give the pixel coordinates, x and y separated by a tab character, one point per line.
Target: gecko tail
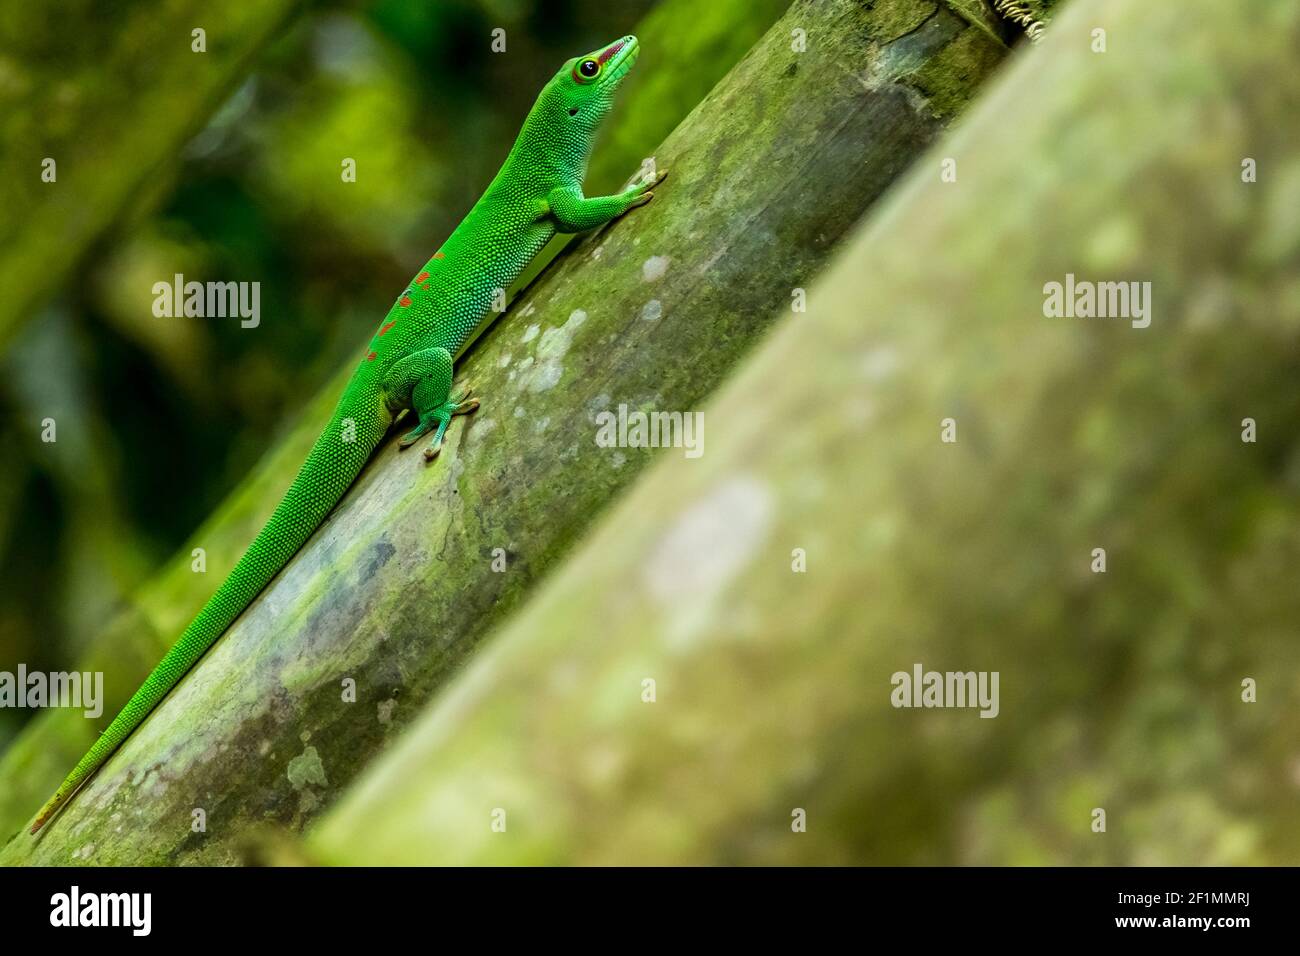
51	807
334	462
71	784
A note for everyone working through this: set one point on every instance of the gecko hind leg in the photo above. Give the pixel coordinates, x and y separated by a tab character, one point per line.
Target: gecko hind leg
422	381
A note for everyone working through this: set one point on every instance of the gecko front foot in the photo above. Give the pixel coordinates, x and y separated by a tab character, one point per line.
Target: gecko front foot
643	192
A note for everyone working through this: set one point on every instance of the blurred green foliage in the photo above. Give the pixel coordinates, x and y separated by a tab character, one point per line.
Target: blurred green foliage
158	418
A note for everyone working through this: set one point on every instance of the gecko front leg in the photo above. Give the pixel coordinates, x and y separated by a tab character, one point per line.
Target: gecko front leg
574	212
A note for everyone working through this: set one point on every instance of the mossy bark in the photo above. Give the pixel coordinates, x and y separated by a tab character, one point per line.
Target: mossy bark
1120	691
404	579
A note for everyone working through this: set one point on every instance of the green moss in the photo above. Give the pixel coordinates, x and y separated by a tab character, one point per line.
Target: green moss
892	19
946	79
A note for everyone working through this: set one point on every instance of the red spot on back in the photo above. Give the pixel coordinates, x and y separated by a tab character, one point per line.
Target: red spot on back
422	278
439	255
387	327
404	301
371	357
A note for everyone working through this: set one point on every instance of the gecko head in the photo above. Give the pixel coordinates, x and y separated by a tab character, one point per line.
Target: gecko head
582	92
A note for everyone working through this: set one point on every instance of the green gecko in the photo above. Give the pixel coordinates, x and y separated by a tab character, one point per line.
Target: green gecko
408	363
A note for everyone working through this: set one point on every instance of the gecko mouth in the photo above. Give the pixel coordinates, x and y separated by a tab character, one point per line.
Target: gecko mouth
618	59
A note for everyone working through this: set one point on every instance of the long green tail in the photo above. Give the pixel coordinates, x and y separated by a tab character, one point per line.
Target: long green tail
336	459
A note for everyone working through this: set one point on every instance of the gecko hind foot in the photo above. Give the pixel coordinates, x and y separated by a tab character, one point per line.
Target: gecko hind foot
414	435
461	405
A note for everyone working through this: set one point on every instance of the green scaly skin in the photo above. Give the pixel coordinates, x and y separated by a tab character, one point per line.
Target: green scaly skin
408	363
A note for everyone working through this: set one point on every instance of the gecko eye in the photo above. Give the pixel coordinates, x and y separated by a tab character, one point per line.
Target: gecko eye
588	68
